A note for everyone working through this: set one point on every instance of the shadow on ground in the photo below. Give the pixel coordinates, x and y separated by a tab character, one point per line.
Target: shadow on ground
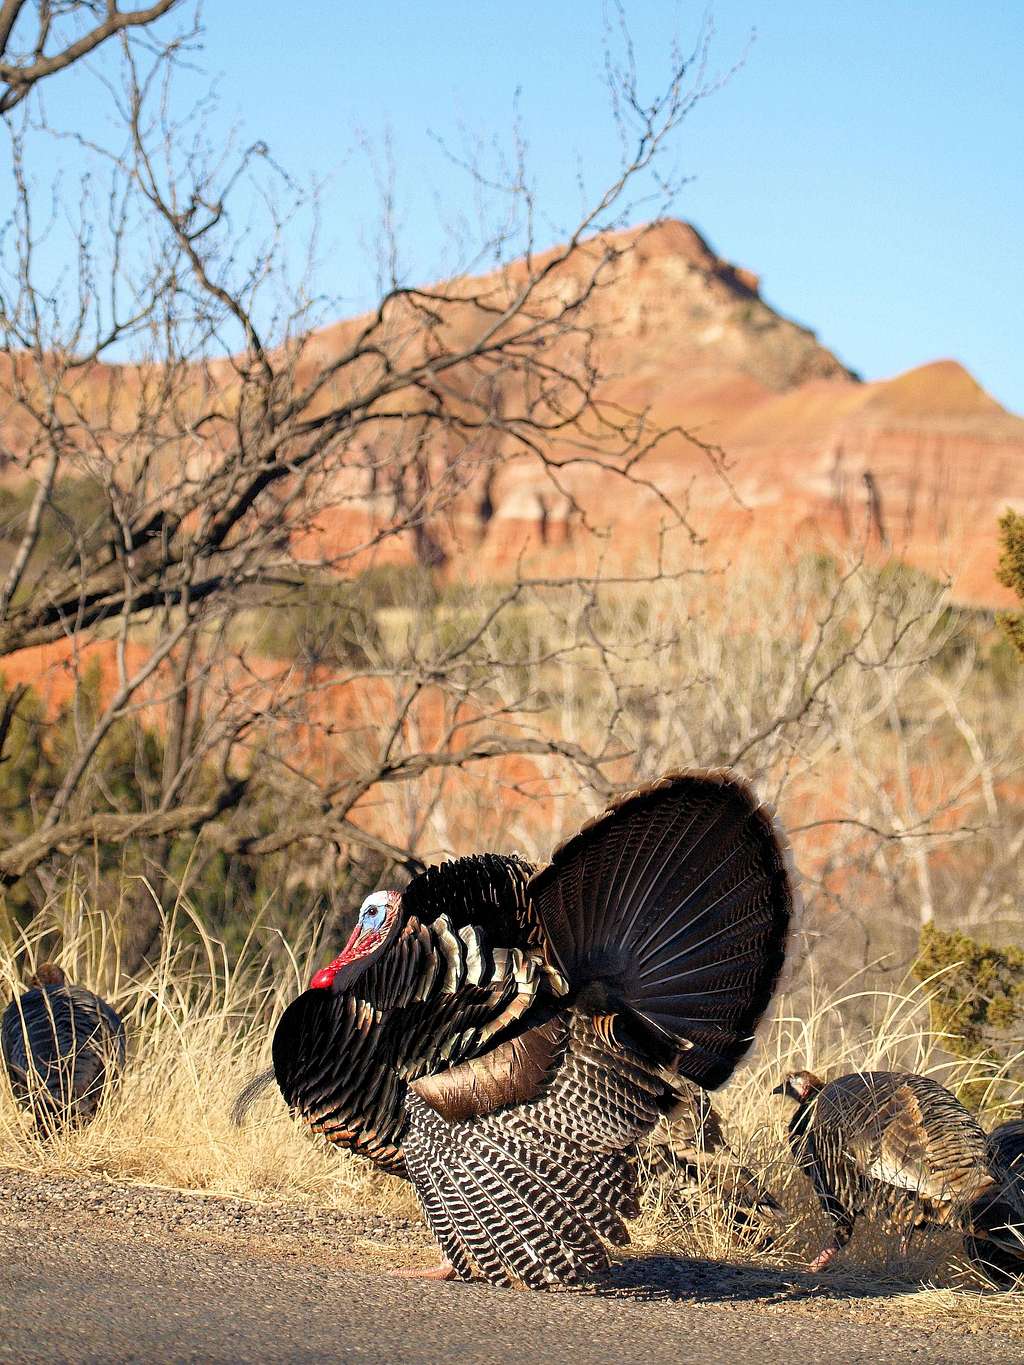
681	1279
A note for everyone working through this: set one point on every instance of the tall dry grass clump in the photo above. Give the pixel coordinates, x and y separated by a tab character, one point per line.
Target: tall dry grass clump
198	1026
813	1030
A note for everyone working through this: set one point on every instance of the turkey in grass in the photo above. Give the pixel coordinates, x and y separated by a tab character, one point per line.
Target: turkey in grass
904	1146
503	1036
1006	1146
62	1046
695	1168
1001	1257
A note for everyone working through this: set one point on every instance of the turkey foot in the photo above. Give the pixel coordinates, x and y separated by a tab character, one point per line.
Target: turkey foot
824	1260
444	1271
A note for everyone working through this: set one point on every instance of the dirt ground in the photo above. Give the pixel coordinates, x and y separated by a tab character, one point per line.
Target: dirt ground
96	1271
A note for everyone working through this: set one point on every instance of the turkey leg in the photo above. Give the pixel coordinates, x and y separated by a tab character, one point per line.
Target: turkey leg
444	1271
824	1259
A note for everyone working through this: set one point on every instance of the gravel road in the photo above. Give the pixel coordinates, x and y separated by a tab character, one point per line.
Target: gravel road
92	1271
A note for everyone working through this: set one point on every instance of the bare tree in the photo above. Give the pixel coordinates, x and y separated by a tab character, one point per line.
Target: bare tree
861	702
39	40
239	466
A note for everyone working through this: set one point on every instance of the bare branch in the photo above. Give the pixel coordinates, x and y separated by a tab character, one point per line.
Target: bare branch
18	77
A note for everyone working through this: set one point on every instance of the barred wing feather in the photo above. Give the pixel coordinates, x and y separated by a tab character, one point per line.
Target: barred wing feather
532	1192
342	1059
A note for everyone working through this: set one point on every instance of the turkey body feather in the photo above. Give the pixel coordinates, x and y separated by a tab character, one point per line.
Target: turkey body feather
553	1185
902	1145
507	1037
61	1046
995	1242
343	1058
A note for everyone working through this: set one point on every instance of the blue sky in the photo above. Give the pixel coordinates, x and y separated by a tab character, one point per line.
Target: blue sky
865	160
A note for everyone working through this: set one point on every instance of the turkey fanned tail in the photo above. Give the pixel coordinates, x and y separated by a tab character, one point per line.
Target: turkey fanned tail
676	903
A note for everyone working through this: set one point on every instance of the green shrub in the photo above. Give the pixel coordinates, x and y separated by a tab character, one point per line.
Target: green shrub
318	622
1011	574
224	890
1004	662
396	585
78	511
978	1001
327	620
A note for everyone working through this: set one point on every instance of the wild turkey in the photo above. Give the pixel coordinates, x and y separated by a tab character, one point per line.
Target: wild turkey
504	1036
1006	1146
61	1046
903	1145
1002	1257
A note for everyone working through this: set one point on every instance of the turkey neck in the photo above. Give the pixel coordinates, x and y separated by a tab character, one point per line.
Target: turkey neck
799	1124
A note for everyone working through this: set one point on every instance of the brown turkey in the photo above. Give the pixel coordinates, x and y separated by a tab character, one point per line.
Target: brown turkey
62	1046
504	1036
903	1146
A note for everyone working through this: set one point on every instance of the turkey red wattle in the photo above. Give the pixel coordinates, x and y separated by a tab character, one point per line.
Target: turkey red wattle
358	946
323	980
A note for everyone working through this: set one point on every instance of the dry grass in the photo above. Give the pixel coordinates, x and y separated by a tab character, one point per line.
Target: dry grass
198	1028
898	783
898	1038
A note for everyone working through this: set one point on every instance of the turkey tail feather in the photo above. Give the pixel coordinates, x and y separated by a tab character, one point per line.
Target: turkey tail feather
248	1094
678	902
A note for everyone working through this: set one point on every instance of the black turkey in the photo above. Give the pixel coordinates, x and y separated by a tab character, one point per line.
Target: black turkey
904	1146
62	1045
1006	1146
503	1036
1001	1257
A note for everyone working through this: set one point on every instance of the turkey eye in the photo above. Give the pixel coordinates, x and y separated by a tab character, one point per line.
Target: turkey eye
374	918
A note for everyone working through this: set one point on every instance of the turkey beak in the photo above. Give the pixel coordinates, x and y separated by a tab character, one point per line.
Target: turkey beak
780	1089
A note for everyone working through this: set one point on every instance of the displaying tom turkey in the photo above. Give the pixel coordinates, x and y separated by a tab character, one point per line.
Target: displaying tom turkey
903	1146
503	1036
62	1045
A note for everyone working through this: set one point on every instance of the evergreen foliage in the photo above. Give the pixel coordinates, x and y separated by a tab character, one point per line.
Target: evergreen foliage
225	890
978	1003
1011	574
